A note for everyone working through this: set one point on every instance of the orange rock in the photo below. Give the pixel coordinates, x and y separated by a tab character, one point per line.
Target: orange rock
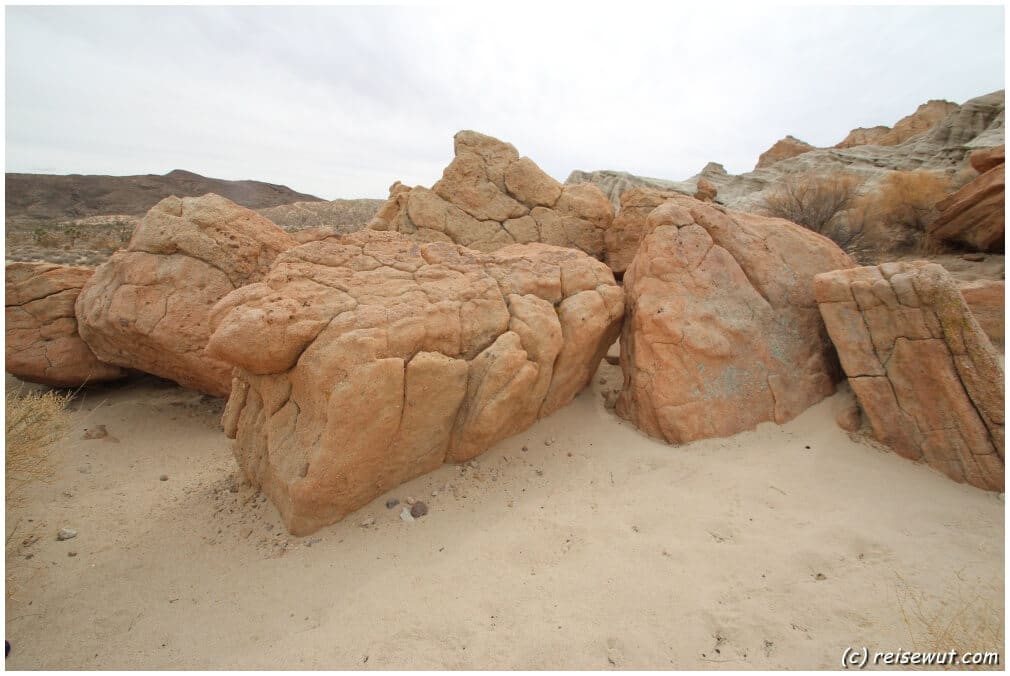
987	158
147	307
364	361
489	197
722	330
706	190
42	343
925	117
630	227
850	418
785	148
928	379
985	299
974	215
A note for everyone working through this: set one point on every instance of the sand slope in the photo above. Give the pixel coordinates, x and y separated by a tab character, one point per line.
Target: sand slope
605	549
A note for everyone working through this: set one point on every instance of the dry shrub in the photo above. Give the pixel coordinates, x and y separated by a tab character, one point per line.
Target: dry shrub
813	200
35	422
889	220
962	620
902	208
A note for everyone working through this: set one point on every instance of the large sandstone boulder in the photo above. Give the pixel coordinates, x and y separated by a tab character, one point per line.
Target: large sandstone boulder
148	307
928	379
630	227
790	146
365	361
42	344
985	299
489	197
722	330
974	215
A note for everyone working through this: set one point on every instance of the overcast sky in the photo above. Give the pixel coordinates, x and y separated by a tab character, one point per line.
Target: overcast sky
342	101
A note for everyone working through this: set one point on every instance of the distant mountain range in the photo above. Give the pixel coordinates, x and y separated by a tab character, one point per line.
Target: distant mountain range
47	197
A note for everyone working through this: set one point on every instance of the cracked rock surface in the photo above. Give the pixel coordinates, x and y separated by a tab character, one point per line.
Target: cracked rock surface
632	224
975	214
364	361
926	375
42	344
722	331
985	300
148	306
489	197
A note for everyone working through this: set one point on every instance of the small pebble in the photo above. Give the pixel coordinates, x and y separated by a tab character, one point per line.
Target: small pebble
405	514
548	442
71	553
434	494
66	534
367	522
410	500
392	502
820	576
418	510
163	477
525	449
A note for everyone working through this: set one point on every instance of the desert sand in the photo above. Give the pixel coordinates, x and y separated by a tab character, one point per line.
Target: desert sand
578	544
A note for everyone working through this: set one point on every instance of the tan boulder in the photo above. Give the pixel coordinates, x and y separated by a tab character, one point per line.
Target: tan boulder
489	197
985	300
785	148
148	306
928	379
722	330
364	361
974	215
706	191
42	343
631	225
925	117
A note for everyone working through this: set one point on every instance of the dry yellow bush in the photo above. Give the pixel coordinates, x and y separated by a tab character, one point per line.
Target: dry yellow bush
35	422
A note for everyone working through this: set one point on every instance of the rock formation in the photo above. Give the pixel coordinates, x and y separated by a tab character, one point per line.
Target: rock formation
922	120
942	148
974	215
985	300
722	331
706	191
631	225
489	198
364	361
147	308
926	376
785	148
42	344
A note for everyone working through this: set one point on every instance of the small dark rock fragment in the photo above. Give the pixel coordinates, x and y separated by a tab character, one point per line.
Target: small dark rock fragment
163	477
418	510
392	502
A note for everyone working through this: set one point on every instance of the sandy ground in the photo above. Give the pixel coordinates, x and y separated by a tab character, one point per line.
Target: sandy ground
596	548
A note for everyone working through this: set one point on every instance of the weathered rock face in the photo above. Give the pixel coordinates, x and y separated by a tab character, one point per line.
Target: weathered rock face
706	191
489	198
974	215
42	344
631	225
922	120
787	147
722	330
928	379
985	300
365	361
148	307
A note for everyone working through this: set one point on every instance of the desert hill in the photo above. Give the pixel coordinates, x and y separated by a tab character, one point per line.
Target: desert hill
47	197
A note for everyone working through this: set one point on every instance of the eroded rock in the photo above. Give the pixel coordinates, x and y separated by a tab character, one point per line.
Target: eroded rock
926	376
365	361
784	148
722	331
974	215
42	344
148	307
489	197
985	300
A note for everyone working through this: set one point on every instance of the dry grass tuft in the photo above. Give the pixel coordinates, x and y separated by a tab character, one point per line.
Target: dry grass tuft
35	422
964	620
